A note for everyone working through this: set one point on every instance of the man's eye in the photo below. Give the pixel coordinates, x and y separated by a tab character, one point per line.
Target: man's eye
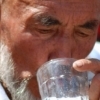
82	34
46	31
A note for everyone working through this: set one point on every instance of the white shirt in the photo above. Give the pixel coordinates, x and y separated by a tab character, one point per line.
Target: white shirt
3	95
95	53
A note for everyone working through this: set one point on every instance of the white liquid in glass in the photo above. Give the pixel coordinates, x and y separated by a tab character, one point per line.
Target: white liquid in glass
69	98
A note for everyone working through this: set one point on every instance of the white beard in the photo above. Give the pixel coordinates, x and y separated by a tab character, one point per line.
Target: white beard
18	91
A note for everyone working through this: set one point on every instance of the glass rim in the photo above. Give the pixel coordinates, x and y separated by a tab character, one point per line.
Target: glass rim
54	60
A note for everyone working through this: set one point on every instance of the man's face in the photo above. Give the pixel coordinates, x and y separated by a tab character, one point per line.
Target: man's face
43	30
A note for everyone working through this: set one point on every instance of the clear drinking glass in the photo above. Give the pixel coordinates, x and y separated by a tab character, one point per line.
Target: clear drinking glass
57	80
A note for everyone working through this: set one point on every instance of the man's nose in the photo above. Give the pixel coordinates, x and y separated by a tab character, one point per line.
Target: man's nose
62	49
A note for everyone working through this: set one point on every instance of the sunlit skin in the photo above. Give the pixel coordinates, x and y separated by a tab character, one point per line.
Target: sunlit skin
38	31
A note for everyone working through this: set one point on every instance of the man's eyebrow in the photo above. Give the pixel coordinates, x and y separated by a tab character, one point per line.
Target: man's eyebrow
48	20
90	24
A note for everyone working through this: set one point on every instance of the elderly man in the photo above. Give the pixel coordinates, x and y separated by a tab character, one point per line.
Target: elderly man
35	31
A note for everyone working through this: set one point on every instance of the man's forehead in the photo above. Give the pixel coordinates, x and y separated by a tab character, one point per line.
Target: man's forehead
63	5
72	1
92	3
60	2
80	4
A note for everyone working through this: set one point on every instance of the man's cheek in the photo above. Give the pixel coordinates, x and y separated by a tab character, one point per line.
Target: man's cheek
29	51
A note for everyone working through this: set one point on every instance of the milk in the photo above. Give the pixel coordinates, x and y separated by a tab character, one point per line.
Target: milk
68	98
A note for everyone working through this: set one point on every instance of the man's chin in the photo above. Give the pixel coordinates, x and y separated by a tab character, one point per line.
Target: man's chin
17	89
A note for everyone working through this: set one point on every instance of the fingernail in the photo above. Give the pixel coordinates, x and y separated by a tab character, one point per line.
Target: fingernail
77	64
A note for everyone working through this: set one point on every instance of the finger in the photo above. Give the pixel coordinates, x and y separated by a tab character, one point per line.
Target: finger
87	65
94	93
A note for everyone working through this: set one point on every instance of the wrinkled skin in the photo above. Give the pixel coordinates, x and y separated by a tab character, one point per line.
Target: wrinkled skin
38	31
